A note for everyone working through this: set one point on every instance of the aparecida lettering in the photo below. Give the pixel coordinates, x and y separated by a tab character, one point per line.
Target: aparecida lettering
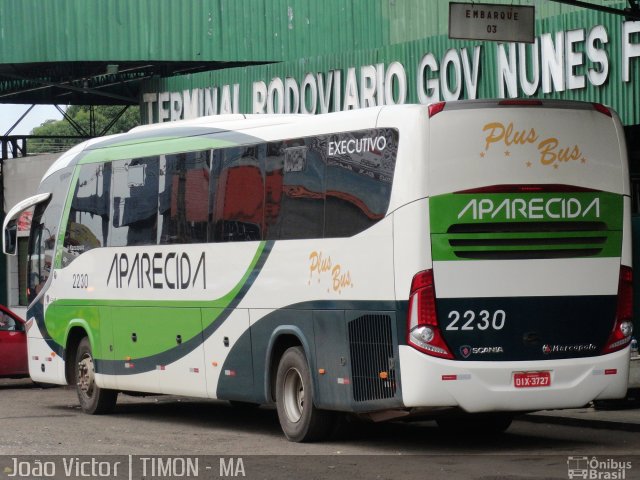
172	271
532	208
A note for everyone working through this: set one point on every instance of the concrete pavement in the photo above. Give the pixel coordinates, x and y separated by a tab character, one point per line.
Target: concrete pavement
613	415
610	414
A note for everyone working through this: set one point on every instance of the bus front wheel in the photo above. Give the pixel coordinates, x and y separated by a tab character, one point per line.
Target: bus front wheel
300	420
93	399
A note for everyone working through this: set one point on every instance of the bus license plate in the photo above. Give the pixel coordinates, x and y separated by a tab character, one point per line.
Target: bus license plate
531	379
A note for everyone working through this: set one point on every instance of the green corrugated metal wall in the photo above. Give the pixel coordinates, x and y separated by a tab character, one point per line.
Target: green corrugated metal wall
301	35
202	30
217	30
623	96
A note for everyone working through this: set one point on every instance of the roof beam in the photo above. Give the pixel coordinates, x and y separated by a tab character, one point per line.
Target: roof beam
65	86
113	121
632	13
77	127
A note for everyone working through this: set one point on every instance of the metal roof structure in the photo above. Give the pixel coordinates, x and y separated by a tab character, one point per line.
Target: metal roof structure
89	52
86	82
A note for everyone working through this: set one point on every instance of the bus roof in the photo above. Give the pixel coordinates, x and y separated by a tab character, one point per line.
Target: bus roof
225	125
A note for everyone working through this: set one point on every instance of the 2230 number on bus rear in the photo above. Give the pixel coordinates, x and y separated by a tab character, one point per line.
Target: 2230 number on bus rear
469	320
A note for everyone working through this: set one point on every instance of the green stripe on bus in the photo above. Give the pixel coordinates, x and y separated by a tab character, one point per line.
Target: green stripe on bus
166	146
161	312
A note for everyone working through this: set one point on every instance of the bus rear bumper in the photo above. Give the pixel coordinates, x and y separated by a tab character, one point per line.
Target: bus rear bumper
489	386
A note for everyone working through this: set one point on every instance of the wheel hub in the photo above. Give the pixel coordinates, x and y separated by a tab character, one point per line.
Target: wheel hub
293	395
86	375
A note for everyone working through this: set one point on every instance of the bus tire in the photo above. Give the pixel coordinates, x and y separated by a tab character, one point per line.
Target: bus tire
93	399
300	420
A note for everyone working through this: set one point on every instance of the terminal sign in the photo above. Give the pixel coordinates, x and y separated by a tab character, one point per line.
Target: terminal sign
485	21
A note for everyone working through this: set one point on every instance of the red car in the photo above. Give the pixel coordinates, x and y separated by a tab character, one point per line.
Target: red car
13	345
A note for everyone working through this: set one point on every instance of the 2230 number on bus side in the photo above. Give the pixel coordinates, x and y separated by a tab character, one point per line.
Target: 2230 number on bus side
80	280
469	320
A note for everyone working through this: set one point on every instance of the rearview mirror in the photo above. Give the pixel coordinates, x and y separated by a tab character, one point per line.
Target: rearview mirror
10	226
10	234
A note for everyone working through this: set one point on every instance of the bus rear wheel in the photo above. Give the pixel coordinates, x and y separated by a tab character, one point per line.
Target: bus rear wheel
300	420
93	399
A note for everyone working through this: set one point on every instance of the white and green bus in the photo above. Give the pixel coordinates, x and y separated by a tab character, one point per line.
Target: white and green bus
467	260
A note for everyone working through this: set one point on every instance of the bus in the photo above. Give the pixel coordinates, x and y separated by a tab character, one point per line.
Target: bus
461	261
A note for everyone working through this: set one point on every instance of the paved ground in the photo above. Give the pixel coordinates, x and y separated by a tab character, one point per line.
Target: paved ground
36	423
614	415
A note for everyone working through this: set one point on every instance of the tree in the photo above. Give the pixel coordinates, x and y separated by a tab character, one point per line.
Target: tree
81	115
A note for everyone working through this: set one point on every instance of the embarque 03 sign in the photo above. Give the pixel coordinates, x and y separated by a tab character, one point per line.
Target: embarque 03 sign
485	21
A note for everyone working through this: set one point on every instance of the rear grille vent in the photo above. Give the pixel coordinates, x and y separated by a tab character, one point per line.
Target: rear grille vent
527	240
527	227
527	254
372	358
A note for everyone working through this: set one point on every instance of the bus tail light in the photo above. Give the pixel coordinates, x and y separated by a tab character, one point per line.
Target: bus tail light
436	108
423	331
602	109
623	327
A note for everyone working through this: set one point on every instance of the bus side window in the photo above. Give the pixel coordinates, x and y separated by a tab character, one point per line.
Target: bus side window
358	185
238	210
183	203
294	190
88	224
134	206
44	231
